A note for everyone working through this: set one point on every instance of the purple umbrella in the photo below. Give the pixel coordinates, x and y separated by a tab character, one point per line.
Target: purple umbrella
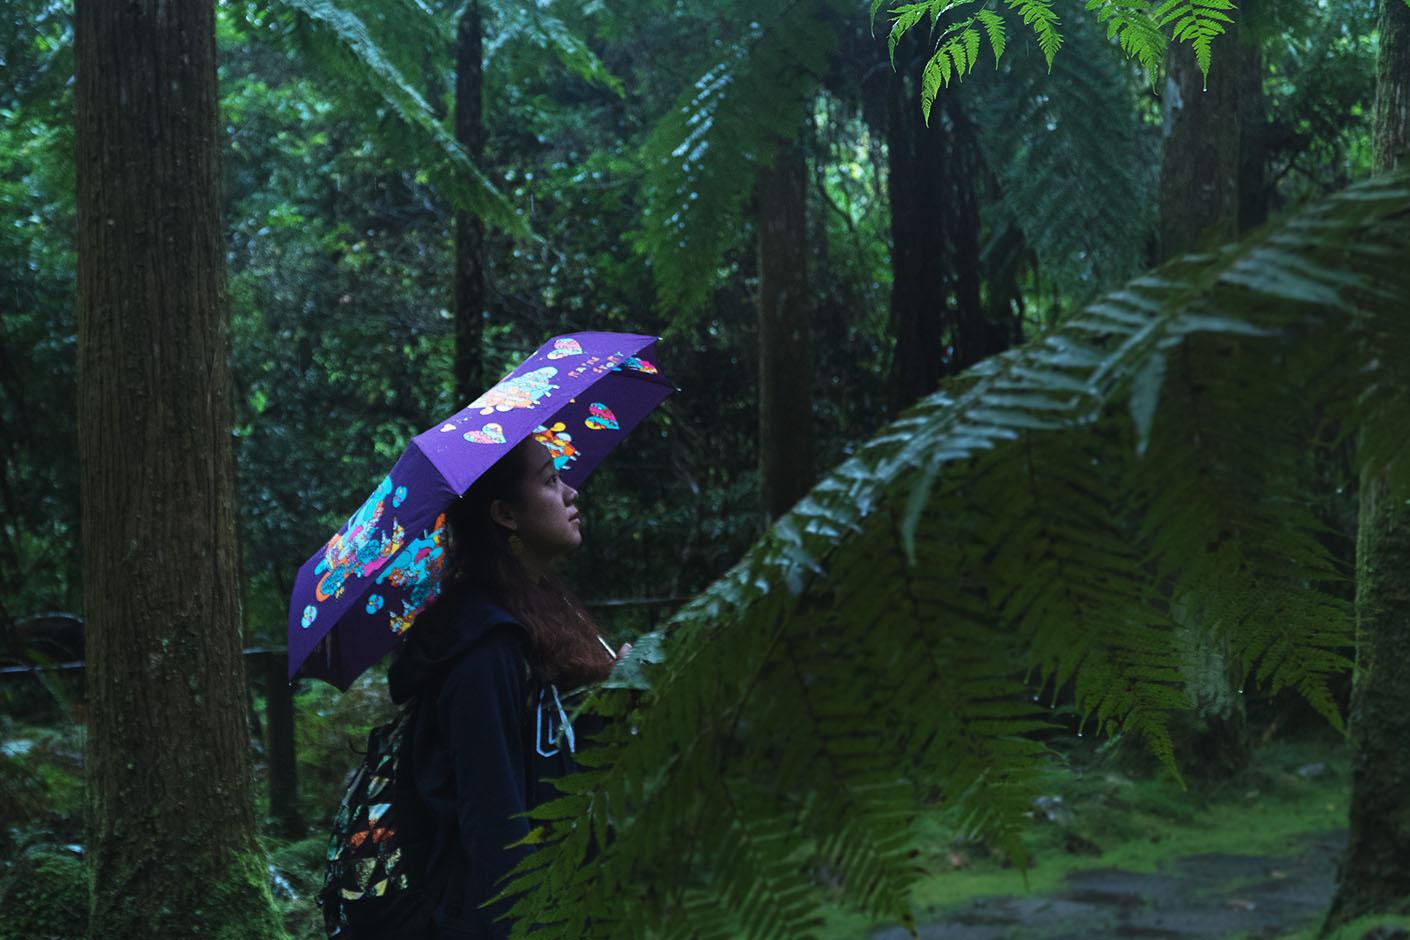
354	600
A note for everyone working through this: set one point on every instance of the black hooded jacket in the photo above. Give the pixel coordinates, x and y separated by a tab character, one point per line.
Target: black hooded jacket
483	751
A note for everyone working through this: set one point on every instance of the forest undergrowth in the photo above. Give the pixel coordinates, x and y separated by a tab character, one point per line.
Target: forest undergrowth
1104	805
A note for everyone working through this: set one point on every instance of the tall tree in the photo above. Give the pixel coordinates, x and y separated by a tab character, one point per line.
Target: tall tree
1392	128
1212	189
171	819
916	173
1373	875
1204	164
785	344
469	230
938	320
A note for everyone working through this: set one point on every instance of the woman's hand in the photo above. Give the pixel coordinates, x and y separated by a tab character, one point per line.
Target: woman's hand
621	653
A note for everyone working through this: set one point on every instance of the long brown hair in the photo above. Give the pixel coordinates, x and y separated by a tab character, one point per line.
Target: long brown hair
563	635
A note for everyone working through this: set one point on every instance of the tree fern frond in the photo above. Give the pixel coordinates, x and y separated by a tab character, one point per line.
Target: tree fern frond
956	55
1130	23
994	28
701	156
1039	15
1196	22
869	652
338	40
1090	233
531	22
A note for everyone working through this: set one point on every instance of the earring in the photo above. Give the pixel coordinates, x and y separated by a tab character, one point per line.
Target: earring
516	545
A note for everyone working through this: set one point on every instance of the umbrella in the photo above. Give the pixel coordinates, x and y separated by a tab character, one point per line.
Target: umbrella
355	598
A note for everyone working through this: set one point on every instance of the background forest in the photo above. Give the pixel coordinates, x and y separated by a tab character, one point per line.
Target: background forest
1025	529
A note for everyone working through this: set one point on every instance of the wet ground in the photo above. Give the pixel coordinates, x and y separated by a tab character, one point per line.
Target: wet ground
1205	896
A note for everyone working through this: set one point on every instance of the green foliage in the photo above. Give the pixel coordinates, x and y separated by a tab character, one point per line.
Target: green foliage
1196	22
702	155
45	896
1131	24
38	475
534	24
1056	514
340	43
1141	28
1090	233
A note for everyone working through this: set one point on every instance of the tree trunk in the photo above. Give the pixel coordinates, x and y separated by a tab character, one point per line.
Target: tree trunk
1253	134
920	284
1392	127
1201	165
1373	877
785	345
1212	187
170	817
469	230
972	331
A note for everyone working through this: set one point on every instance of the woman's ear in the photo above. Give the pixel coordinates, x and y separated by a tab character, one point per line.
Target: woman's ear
501	513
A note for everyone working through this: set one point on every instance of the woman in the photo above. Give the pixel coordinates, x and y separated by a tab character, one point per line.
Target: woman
489	662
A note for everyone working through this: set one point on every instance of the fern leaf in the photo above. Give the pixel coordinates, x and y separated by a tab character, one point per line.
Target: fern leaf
1039	15
906	17
720	130
534	24
1131	24
340	42
994	27
935	74
871	647
1196	22
1088	234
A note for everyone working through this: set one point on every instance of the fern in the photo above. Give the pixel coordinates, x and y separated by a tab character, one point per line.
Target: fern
1089	234
1142	30
1039	15
533	23
1062	510
339	41
703	154
957	53
1197	22
1130	23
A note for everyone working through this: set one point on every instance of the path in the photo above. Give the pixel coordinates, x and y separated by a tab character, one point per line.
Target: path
1197	896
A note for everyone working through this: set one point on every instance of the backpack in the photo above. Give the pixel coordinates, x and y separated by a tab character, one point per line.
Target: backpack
375	883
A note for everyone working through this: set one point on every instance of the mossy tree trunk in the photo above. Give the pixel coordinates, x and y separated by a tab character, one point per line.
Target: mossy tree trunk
171	820
785	343
1374	876
469	230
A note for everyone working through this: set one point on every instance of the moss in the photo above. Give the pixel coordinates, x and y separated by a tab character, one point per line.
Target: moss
238	906
241	906
45	897
1134	825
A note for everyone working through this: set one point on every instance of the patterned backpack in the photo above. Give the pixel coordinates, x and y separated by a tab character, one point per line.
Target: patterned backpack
374	882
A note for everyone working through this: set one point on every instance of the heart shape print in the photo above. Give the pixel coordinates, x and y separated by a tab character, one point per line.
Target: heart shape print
491	433
600	418
563	348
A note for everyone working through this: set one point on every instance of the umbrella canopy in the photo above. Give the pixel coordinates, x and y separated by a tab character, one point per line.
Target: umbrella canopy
356	597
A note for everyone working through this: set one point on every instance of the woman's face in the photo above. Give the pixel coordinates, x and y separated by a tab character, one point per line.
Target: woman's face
546	515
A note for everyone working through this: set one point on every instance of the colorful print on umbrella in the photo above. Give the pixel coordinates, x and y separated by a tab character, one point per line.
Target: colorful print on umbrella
358	595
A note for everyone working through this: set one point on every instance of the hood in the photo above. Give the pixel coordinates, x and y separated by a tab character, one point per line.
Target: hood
447	630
